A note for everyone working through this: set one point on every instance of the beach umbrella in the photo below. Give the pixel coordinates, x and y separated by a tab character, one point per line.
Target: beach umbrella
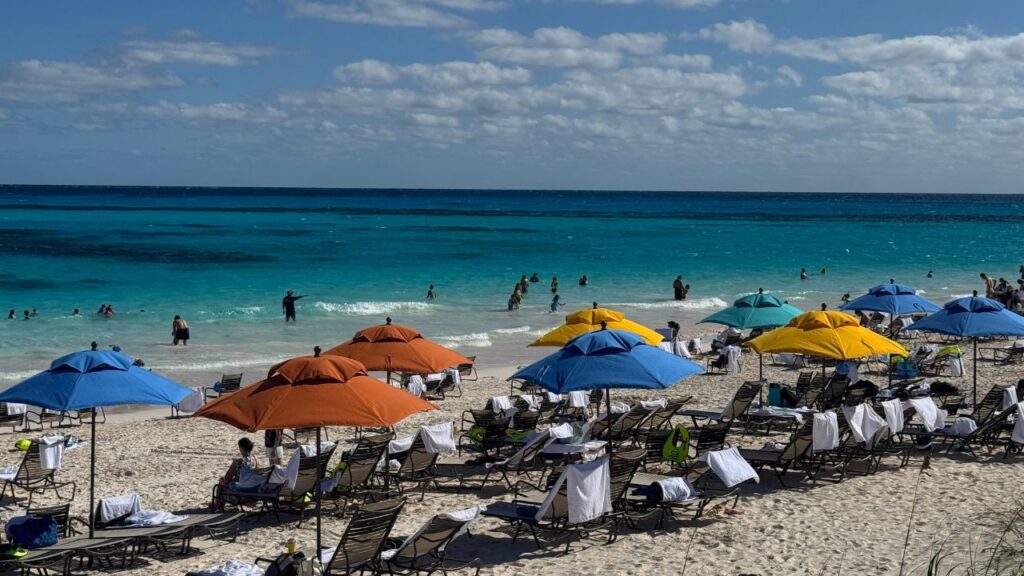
825	334
313	392
607	359
972	317
755	311
90	380
395	348
892	299
592	319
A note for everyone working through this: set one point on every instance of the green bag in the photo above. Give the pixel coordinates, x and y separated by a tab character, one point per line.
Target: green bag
677	446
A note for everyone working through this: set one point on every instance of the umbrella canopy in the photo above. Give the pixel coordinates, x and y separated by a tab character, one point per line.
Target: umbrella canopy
91	379
826	334
592	319
607	359
972	316
755	311
892	299
313	392
396	348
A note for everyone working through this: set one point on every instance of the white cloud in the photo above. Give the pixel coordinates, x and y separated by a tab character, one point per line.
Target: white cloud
196	52
56	81
444	75
789	77
398	13
564	47
672	3
220	112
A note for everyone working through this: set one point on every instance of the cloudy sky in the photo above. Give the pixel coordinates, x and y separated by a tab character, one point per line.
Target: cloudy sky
801	95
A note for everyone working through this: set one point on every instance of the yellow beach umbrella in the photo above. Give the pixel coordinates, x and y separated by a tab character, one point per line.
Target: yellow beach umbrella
825	334
589	320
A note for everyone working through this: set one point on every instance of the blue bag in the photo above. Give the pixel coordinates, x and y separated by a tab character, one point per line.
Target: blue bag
31	531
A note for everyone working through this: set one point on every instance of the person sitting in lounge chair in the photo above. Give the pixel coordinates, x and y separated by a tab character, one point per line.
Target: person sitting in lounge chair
242	476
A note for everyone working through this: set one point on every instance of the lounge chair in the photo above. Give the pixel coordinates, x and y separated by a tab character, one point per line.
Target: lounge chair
364	539
468	371
736	409
990	433
311	473
832	395
793	455
427	549
661	418
34	479
625	427
12	419
485	438
356	470
523	461
447	386
417	467
228	384
699	476
554	518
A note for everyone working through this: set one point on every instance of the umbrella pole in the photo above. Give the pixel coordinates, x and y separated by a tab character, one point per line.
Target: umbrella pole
316	491
760	376
975	366
608	407
92	475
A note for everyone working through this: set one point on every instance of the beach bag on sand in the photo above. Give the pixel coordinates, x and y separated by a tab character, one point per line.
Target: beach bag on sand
31	531
677	445
286	565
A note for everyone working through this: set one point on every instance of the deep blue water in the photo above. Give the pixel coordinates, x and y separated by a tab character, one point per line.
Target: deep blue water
223	257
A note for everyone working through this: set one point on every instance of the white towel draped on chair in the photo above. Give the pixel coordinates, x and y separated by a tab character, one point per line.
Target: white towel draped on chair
826	431
732	355
563	430
578	399
963	426
502	405
956	366
438	438
192	402
587	489
931	417
51	451
667	346
729	466
1009	397
1018	427
416	386
118	507
893	415
864	422
234	568
554	398
15	408
676	489
531	402
654	404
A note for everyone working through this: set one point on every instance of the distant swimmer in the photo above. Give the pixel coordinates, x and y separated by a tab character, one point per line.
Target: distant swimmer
930	274
846	298
555	303
103	308
179	330
76	313
803	274
12	315
35	312
108	311
584	280
524	284
824	271
27	316
534	279
94	346
288	305
686	291
554	284
431	293
678	287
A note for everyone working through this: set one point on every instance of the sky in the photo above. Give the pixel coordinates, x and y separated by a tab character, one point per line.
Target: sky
760	95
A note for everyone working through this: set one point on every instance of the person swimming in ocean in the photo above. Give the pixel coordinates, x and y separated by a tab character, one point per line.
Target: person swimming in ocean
27	317
846	298
108	311
103	308
288	305
12	314
535	278
803	274
929	274
824	271
431	293
555	303
686	291
35	312
584	280
554	284
76	312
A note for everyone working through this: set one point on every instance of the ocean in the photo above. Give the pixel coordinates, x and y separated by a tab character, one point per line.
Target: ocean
223	258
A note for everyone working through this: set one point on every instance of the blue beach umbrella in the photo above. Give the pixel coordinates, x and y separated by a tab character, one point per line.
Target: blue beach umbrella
755	311
893	299
972	317
89	380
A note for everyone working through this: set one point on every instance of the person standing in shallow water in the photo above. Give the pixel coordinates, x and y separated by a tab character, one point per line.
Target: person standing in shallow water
288	305
678	287
431	293
554	284
179	330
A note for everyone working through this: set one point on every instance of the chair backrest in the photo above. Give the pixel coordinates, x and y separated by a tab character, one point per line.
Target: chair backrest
662	417
365	536
988	405
654	443
467	369
854	396
623	466
483	417
31	471
803	381
712	437
600	426
558	511
741	400
311	471
361	462
430	540
832	395
61	515
801	441
230	382
418	460
526	420
528	452
596	396
630	421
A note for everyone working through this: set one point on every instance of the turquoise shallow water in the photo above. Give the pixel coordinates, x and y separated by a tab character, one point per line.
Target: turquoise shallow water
222	258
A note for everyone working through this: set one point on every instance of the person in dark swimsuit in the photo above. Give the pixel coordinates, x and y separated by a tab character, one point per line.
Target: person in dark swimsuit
288	305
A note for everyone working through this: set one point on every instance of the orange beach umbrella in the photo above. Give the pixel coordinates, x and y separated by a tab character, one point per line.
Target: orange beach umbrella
396	348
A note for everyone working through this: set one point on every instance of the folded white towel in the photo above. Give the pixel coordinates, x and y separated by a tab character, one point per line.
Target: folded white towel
1018	426
234	568
1009	397
587	488
563	430
676	490
963	426
501	404
826	431
931	417
438	438
654	404
666	346
119	506
152	518
578	399
192	402
51	451
893	415
438	377
864	422
729	466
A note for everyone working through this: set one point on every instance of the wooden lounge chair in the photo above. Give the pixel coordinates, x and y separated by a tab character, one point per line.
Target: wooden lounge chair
427	549
792	456
364	538
228	384
34	479
356	470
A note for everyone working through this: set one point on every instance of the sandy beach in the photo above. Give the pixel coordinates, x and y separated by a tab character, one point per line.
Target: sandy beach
857	526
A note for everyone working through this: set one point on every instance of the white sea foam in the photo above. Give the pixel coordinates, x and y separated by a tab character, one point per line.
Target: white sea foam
239	311
472	340
517	330
371	308
18	375
214	365
695	304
